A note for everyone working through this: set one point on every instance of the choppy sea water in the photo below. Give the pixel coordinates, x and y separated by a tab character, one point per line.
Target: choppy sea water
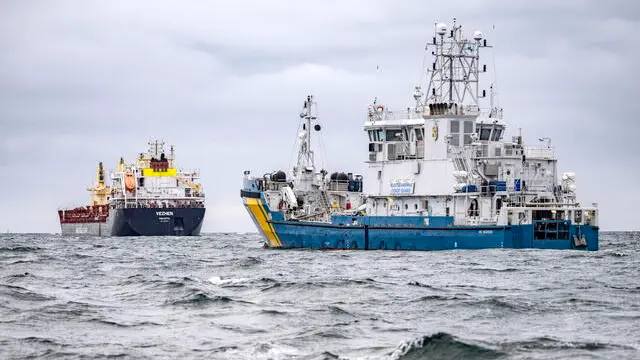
222	296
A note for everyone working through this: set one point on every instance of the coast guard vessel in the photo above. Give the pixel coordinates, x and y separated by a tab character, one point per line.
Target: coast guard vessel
148	197
439	175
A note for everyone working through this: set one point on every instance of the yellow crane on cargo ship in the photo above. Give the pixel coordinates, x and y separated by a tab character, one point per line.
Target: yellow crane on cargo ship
194	186
100	191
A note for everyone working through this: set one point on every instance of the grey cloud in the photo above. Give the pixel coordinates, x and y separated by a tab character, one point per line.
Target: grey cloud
224	81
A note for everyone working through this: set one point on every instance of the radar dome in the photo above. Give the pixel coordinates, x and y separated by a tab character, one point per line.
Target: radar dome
279	176
477	35
441	28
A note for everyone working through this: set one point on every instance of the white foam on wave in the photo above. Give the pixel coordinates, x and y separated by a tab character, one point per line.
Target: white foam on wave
217	280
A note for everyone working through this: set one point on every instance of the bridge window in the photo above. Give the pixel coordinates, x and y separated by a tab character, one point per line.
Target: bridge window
485	133
496	135
394	135
419	134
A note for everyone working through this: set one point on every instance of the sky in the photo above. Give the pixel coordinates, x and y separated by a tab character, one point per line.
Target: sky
224	82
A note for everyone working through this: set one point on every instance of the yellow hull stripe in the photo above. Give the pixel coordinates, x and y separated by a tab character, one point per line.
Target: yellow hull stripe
273	230
260	216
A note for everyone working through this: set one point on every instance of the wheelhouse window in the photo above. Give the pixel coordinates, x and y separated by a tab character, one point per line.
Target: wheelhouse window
496	134
485	133
419	134
394	135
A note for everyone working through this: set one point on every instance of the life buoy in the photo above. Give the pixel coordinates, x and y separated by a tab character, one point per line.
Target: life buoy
380	108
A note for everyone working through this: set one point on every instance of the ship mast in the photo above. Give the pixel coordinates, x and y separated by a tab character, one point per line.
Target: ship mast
304	170
455	71
156	147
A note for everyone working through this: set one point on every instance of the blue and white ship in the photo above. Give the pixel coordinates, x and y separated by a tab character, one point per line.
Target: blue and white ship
439	175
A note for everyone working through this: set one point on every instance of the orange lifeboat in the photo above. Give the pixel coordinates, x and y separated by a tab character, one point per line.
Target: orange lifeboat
129	181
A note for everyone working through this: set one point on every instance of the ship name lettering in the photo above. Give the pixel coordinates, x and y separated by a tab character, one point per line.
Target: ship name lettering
164	213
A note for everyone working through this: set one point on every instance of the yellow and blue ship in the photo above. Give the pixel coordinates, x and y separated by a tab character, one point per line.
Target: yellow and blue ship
440	175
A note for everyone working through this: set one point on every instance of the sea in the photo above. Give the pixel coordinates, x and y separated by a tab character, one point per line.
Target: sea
224	296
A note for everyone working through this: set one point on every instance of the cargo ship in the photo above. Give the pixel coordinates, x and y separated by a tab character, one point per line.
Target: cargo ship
150	197
439	175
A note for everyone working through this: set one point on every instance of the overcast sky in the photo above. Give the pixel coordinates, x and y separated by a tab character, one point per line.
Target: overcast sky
83	81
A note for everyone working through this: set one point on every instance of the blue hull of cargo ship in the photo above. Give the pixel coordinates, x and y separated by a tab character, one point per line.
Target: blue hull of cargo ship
158	222
411	232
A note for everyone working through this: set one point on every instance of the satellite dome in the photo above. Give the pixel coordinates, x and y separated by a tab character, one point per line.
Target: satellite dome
441	29
477	35
279	176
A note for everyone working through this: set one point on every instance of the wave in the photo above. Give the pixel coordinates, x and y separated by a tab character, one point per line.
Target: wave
249	262
494	270
200	298
34	340
273	312
442	346
446	346
336	310
21	276
440	298
156	284
312	285
611	253
21	294
123	324
419	284
632	289
548	343
501	303
228	282
20	249
313	335
242	329
194	296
